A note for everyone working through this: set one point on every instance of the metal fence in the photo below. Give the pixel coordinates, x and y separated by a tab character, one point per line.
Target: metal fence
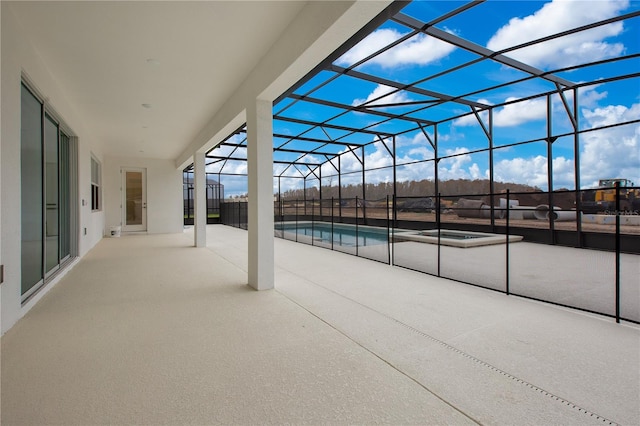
558	247
583	258
214	193
234	214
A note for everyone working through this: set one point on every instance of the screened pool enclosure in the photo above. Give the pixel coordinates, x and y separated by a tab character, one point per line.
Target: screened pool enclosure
515	119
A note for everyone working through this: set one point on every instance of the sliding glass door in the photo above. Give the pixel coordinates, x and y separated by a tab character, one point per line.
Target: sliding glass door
46	163
31	184
51	185
65	197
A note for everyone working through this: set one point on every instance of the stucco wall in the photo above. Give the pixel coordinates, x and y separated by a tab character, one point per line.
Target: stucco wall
19	56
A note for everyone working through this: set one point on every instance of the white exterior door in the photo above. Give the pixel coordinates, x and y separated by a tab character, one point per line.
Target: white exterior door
134	199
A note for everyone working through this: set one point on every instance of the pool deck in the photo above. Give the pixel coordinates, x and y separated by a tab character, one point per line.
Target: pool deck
150	330
556	274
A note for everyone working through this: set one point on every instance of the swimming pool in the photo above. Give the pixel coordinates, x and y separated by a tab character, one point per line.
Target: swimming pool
345	235
340	233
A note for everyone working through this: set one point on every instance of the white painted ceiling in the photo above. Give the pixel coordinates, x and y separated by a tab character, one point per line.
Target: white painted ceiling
182	58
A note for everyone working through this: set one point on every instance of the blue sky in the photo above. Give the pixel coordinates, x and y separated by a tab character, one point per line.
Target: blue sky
497	25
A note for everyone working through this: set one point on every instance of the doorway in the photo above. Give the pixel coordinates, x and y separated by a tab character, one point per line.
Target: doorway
134	202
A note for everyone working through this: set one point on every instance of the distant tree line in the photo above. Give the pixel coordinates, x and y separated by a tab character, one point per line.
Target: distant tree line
421	188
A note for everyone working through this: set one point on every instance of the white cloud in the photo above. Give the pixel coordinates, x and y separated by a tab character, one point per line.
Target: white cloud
470	120
520	112
510	115
606	153
310	158
563	173
388	97
531	171
416	172
236	167
418	50
558	16
456	167
611	114
613	152
421	153
349	163
418	138
589	96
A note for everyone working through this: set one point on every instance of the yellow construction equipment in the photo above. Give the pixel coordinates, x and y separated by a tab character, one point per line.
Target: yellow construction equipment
603	199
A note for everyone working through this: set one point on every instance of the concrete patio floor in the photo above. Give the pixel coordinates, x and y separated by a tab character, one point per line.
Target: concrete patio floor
147	329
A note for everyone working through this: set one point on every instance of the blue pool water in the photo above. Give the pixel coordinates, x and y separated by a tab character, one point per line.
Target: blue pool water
344	235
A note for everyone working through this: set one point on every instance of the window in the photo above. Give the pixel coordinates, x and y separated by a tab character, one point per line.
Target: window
96	198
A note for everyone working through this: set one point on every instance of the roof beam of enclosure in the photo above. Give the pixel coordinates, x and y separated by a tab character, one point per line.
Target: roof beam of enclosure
313	151
477	49
385	145
224	157
482	124
330	161
426	135
300	164
384	16
570	114
330	126
285	170
454	12
240	130
364	108
521	80
391	11
326	65
350	130
291	139
221	158
407	87
539	95
558	90
299	171
413	23
307	139
418	27
287	150
302	151
235	146
311	171
290	165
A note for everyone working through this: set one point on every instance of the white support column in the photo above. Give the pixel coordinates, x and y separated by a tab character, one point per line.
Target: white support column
200	200
260	211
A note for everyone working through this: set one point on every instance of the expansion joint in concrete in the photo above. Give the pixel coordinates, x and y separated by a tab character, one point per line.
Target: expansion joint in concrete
455	350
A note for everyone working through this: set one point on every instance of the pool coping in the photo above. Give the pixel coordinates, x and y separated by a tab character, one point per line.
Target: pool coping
482	238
